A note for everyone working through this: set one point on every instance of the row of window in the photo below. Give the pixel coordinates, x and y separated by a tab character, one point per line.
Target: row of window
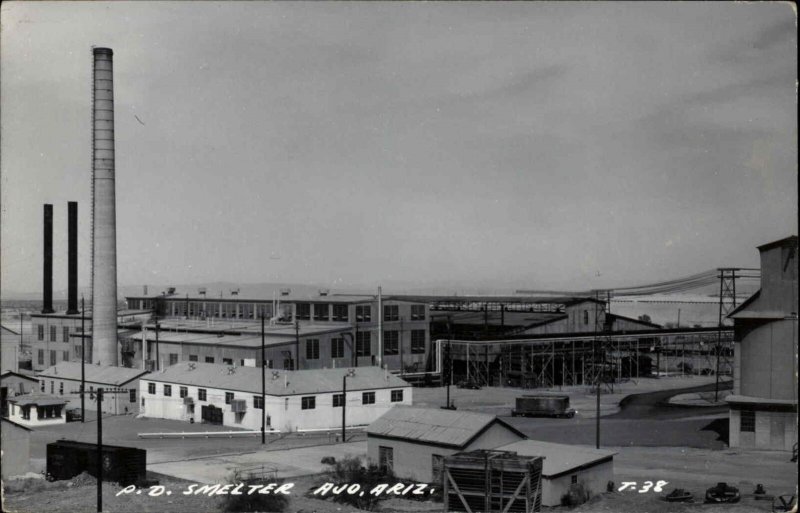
53	332
53	356
391	344
131	391
306	403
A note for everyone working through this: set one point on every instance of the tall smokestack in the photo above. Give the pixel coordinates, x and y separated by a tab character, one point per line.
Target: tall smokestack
104	231
72	257
47	278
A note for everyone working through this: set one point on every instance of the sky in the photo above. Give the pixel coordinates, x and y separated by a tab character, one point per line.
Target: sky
520	145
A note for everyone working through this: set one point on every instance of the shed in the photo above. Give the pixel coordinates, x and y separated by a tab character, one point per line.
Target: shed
414	441
16	448
565	465
36	410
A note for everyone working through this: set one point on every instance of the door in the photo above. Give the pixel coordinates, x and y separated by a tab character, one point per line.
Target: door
386	458
212	414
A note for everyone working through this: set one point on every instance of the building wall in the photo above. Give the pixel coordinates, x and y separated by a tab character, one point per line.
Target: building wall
413	460
285	412
773	430
16	447
767	360
595	479
15	414
113	404
18	386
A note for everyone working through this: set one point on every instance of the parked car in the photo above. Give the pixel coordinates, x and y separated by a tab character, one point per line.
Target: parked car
74	414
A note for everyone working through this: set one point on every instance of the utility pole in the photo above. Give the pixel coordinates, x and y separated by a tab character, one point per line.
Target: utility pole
158	358
83	360
99	450
263	384
598	375
344	406
296	366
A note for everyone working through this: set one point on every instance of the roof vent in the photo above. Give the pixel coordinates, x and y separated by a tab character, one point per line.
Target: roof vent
286	292
201	291
171	290
234	292
324	292
192	366
275	375
231	370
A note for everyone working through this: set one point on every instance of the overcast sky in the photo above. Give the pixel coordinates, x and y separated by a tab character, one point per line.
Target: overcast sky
507	145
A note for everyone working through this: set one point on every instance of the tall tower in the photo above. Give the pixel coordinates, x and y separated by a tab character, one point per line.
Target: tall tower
104	218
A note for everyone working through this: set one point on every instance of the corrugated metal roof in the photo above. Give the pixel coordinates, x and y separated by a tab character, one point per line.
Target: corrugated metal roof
558	458
447	427
279	382
103	374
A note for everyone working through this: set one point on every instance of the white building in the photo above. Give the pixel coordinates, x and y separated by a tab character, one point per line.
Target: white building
565	465
64	380
34	410
307	399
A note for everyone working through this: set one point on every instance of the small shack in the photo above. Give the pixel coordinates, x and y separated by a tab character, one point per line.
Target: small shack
492	481
413	442
35	409
565	465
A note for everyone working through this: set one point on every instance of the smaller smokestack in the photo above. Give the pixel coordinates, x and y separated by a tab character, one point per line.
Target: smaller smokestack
72	258
47	293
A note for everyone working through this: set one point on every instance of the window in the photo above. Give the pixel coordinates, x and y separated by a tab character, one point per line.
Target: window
228	397
227	361
363	343
40	331
61	388
320	312
132	396
417	312
363	313
258	402
303	311
391	342
192	357
66	333
368	398
52	333
167	390
574	479
40	356
312	349
397	396
586	316
337	348
308	403
151	388
748	421
42	387
65	356
391	312
209	359
183	392
173	358
142	401
385	458
338	400
52	357
52	387
201	394
417	341
288	364
340	313
437	465
78	352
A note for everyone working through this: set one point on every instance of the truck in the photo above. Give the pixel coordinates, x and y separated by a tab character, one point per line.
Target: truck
543	406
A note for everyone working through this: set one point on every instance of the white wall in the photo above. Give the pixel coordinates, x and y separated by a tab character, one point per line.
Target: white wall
595	479
15	414
286	413
113	404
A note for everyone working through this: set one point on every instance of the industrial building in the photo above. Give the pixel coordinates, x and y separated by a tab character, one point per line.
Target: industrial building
64	380
565	465
763	407
294	400
368	330
15	441
414	441
56	337
36	409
